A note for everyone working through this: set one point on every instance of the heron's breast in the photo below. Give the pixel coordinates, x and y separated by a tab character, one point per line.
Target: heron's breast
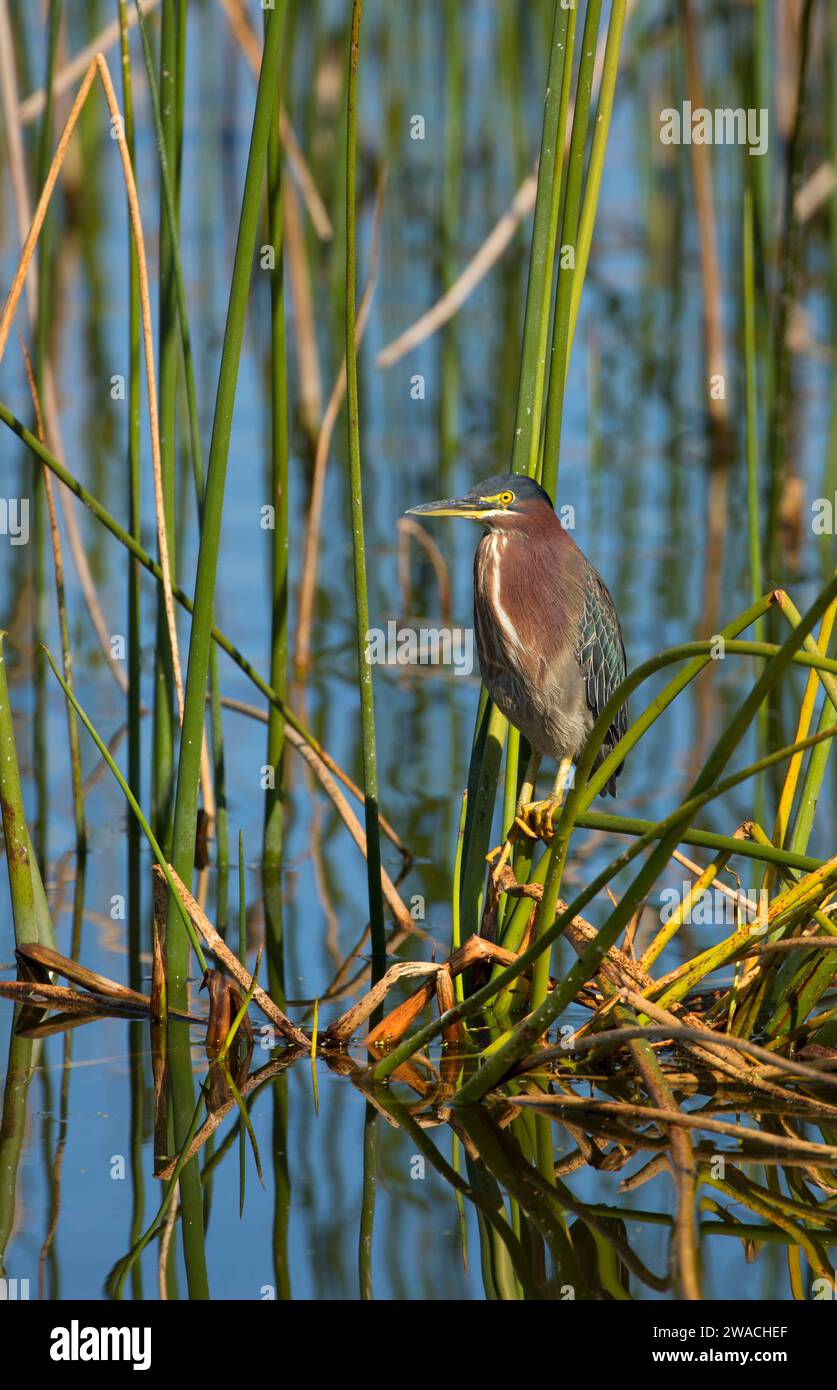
530	670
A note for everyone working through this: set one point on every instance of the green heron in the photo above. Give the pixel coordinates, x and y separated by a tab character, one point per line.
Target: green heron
548	636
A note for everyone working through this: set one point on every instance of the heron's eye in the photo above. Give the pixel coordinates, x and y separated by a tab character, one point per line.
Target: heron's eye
506	498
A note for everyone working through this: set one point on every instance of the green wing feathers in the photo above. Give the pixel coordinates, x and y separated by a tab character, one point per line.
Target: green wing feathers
601	657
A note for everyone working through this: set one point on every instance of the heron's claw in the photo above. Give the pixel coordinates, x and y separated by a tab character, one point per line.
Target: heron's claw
537	816
504	851
534	819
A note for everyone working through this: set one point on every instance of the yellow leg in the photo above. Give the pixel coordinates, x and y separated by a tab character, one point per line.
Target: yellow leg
527	791
536	818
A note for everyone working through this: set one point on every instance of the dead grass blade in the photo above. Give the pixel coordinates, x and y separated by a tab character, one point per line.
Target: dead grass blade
220	949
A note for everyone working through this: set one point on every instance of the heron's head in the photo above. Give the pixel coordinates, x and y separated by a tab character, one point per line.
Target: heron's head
506	502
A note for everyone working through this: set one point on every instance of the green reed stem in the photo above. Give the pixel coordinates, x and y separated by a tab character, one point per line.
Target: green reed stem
242	902
702	839
536	1023
196	450
32	921
367	709
45	315
165	716
752	441
807	981
569	239
762	25
530	391
456	925
186	800
483	773
790	258
72	724
598	149
492	729
134	491
753	528
242	956
273	801
794	906
192	1212
531	386
811	787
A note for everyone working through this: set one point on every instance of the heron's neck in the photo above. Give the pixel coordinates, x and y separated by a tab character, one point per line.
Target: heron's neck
528	579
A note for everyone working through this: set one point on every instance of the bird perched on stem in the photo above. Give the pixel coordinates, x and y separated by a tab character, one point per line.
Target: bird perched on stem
549	640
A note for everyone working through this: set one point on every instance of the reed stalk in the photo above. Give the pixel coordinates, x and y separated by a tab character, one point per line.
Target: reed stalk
134	699
165	713
214	798
533	358
63	621
278	474
790	258
569	247
598	149
367	709
32	921
185	814
492	729
750	370
752	442
43	504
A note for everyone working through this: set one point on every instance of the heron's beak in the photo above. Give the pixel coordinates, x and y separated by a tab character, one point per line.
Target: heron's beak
471	507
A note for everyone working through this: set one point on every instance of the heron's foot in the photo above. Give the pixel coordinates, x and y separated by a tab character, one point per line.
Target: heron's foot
504	851
536	817
533	829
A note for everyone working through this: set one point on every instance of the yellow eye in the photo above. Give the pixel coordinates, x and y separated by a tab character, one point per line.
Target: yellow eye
506	498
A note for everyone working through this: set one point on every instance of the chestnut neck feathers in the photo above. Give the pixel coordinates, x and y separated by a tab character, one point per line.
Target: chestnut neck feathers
529	576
